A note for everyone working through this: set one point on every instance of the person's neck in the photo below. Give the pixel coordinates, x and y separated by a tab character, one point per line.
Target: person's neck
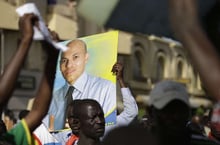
87	141
71	83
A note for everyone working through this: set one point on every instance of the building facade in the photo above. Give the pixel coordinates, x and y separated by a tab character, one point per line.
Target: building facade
147	59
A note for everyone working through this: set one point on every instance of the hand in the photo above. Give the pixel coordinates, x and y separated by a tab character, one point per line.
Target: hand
26	24
50	49
118	70
75	126
54	35
51	123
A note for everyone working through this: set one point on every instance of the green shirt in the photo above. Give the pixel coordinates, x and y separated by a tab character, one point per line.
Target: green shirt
19	135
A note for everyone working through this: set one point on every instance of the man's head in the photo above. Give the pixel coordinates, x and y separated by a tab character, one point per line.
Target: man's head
90	117
165	92
73	61
9	119
129	135
23	113
72	115
169	103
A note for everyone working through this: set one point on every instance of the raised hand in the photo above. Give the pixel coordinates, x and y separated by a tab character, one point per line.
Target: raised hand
26	24
118	70
11	71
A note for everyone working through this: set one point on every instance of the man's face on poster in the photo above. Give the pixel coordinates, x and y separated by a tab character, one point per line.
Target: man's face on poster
73	61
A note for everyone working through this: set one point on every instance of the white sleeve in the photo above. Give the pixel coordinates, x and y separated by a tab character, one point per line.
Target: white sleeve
128	114
130	108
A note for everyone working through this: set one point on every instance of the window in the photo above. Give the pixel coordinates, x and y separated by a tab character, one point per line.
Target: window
179	72
160	68
180	66
138	63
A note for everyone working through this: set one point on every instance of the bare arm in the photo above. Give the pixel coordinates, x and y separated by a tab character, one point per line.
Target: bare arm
11	72
130	106
118	69
187	28
42	100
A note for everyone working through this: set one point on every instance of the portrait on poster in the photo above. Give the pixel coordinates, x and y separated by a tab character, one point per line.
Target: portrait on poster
102	54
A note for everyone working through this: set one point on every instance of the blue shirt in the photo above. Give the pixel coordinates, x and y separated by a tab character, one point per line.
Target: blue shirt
86	86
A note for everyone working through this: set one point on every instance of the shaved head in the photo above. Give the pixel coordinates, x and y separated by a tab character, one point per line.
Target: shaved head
73	61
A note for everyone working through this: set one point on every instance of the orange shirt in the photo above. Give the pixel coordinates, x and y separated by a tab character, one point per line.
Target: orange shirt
72	139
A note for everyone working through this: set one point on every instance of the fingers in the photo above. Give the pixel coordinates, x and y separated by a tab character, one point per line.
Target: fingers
26	23
117	69
55	36
29	17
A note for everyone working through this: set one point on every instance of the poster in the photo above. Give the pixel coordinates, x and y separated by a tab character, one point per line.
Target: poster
102	49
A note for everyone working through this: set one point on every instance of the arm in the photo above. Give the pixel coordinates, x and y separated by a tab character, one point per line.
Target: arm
44	95
11	72
118	69
186	26
130	106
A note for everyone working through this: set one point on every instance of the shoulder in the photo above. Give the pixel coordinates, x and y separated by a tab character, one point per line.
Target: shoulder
19	134
59	91
72	140
129	134
100	80
202	140
21	127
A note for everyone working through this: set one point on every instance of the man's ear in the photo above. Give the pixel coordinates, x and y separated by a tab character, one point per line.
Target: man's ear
77	125
87	57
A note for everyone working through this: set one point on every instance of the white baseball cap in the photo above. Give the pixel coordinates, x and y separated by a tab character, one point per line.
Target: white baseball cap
166	91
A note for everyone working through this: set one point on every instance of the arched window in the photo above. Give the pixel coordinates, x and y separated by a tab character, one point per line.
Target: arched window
160	67
138	61
179	72
180	66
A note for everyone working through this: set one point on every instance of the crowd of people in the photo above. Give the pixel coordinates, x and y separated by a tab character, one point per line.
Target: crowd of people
85	101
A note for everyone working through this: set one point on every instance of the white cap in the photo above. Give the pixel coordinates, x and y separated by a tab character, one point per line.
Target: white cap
166	91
